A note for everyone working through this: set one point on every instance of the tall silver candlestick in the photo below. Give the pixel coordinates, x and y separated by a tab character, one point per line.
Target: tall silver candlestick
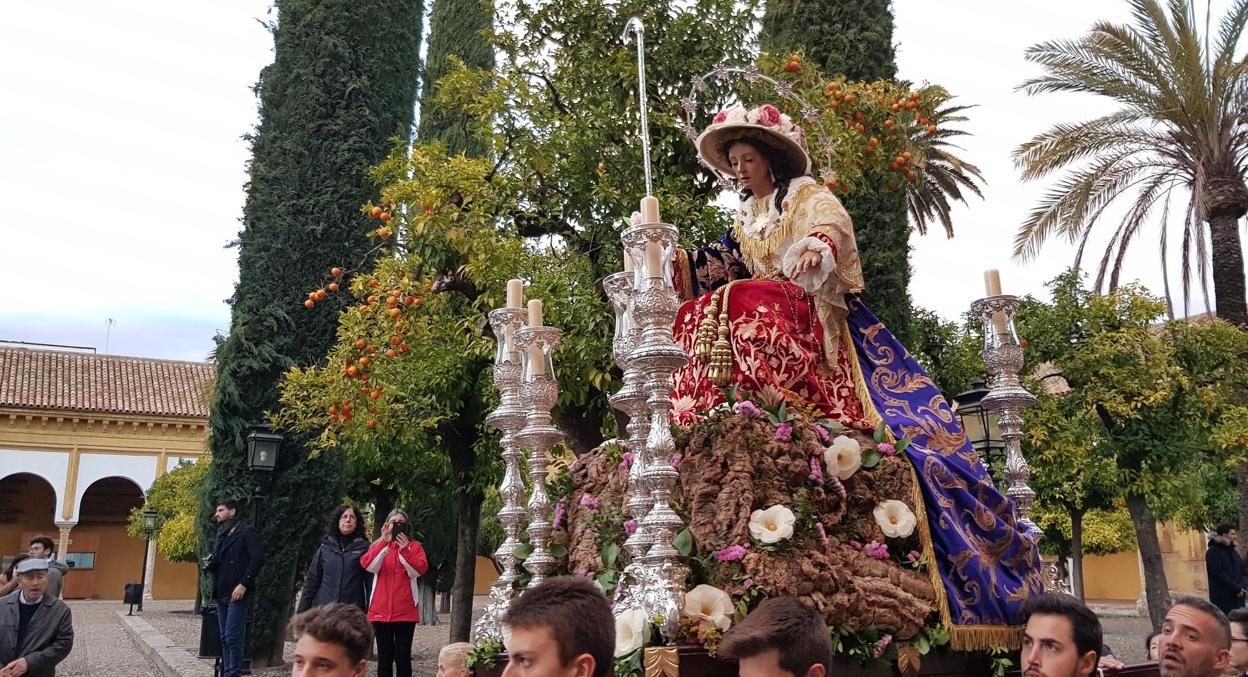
658	355
631	399
509	417
536	344
1003	357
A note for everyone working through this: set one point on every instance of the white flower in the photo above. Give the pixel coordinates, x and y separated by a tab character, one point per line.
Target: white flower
773	524
844	457
736	114
710	607
895	518
632	631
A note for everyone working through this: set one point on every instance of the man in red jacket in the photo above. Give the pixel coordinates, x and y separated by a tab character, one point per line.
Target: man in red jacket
397	562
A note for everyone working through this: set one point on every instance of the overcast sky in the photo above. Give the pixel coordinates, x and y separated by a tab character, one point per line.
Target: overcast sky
122	163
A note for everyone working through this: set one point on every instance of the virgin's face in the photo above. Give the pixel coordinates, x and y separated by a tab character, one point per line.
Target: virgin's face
751	168
347	523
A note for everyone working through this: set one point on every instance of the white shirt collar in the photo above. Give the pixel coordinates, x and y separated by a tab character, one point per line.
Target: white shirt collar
21	597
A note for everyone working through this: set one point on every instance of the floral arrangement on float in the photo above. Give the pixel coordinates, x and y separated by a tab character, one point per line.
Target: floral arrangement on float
778	502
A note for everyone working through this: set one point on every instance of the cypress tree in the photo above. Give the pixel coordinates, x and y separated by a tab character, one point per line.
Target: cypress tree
855	39
342	85
458	28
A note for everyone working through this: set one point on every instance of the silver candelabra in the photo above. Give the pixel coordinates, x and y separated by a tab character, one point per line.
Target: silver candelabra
509	418
540	389
658	356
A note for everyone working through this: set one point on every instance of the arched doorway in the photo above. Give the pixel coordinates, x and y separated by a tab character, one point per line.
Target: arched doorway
103	556
27	505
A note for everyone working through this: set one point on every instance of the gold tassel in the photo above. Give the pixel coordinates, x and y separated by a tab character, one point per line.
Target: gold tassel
708	329
721	354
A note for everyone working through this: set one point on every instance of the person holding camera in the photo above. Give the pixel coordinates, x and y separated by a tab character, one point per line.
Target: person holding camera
236	559
396	561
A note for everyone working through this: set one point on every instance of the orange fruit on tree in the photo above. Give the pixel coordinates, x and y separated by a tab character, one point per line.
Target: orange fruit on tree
353	371
372	298
330	380
385	216
395	340
335	271
392	302
411	300
309	304
372	424
792	67
375	394
375	213
372	350
373	283
333	409
889	124
321	295
333	286
359	344
390	353
403	348
931	129
907	155
364	361
383	232
394	312
364	377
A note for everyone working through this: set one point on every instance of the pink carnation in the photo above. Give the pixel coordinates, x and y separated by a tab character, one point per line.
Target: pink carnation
561	509
823	535
784	432
747	409
720	117
824	435
913	556
630	526
886	449
626	461
676	459
768	115
748	583
876	550
732	553
591	503
882	645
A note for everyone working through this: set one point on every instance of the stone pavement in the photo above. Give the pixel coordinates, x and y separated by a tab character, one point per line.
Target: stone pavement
101	646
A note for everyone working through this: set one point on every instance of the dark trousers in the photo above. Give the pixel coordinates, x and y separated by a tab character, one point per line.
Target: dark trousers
232	621
394	648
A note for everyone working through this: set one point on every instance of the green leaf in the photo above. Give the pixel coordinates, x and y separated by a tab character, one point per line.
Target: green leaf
683	543
903	444
922	644
871	458
558	550
610	554
879	432
523	551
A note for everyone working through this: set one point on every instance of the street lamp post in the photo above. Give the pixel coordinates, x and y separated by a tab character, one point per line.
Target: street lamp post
149	528
980	425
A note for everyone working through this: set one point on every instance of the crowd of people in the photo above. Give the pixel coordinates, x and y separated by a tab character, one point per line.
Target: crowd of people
359	594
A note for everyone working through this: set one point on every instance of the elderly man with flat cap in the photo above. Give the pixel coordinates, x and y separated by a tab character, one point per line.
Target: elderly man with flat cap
36	630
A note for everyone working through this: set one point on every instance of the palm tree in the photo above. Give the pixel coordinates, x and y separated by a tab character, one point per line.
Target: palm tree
1181	127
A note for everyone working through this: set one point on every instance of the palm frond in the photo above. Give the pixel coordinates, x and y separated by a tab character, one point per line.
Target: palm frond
1062	144
1230	29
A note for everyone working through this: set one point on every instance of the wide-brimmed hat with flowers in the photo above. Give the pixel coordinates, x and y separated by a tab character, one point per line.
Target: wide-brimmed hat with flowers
764	124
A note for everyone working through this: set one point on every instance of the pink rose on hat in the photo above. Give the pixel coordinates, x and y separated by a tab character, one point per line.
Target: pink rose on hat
768	115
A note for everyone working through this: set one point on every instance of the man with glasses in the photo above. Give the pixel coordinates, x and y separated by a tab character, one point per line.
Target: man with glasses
1239	641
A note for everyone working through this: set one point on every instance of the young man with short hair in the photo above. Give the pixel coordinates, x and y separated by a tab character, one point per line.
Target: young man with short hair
1239	641
780	638
331	640
36	628
1062	637
41	548
563	627
1195	639
453	660
235	562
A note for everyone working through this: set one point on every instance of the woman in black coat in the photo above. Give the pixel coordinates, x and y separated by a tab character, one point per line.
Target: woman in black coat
335	574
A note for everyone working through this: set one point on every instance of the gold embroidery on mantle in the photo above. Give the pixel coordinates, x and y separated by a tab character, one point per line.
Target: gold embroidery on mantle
661	661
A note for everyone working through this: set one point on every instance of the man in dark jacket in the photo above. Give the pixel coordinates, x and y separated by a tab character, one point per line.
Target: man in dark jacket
1226	569
235	562
36	628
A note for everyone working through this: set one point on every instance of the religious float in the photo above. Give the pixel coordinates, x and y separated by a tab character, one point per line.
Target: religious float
781	442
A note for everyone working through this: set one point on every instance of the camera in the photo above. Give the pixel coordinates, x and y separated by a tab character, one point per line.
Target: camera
400	528
205	564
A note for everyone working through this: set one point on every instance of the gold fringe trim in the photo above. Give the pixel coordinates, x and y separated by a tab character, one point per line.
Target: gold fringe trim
765	248
661	661
985	637
860	382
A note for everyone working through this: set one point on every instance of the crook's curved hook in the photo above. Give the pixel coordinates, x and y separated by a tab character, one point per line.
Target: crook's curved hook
635	29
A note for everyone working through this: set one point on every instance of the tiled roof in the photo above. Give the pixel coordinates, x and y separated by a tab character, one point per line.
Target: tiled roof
107	384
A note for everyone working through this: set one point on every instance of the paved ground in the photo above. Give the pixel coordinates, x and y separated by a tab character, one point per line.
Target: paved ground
173	618
101	646
1126	637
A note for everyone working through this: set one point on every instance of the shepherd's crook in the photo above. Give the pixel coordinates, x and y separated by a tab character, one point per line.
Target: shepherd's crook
634	28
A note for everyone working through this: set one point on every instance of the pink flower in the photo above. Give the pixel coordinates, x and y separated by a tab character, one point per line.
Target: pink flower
732	553
816	470
876	550
913	556
882	645
747	409
856	545
824	435
676	459
886	449
591	503
720	117
748	583
561	509
626	461
768	115
784	432
630	526
823	535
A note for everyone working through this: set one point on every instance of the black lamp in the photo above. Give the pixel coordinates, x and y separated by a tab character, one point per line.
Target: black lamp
979	424
262	447
149	523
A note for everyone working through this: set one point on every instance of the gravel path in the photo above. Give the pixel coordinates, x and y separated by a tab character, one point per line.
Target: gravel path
101	646
174	619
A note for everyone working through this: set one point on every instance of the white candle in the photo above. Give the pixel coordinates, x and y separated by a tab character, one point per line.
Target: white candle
649	209
537	361
628	262
508	346
515	294
535	313
654	260
992	282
